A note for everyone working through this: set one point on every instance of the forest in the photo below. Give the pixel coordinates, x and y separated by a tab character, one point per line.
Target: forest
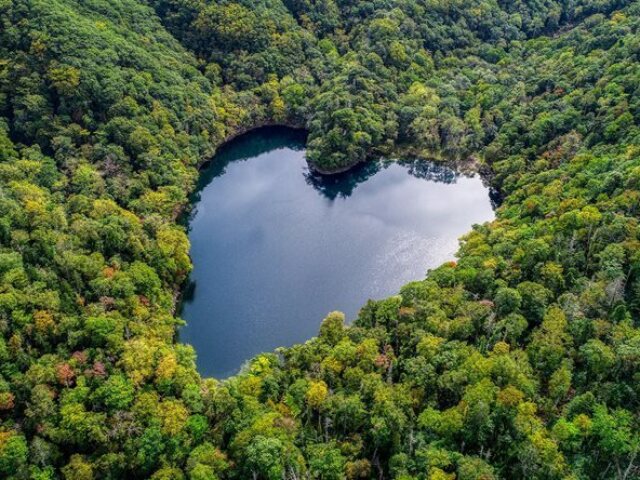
518	360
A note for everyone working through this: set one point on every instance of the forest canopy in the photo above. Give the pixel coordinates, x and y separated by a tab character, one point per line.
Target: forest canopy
521	359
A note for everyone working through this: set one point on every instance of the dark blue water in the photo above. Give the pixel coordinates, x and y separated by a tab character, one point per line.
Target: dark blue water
275	248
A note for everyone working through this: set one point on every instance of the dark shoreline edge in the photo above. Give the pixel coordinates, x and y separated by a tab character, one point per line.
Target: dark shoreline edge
206	161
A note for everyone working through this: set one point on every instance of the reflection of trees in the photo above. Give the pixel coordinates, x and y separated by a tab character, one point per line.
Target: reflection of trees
437	172
431	171
342	184
495	197
187	295
246	146
249	145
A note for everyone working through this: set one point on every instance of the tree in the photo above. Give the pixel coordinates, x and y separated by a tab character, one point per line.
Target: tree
326	462
13	453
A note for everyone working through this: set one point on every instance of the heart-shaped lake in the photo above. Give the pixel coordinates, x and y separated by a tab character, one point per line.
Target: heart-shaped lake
275	248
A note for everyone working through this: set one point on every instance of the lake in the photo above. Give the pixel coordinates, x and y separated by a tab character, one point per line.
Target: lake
275	247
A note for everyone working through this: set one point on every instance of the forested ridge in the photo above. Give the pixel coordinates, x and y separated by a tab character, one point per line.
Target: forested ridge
521	359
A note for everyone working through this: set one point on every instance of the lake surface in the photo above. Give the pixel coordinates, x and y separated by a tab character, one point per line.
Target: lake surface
276	248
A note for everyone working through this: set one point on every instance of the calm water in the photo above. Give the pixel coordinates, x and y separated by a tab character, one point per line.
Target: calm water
275	249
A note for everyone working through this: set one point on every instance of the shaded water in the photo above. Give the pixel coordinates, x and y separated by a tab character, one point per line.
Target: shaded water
276	248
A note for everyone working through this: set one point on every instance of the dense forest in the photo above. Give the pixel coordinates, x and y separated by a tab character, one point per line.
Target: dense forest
521	359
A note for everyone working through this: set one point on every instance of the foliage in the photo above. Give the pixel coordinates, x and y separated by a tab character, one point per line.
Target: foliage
519	360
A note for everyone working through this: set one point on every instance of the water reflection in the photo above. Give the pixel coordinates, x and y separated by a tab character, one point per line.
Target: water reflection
272	257
262	141
431	171
343	184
